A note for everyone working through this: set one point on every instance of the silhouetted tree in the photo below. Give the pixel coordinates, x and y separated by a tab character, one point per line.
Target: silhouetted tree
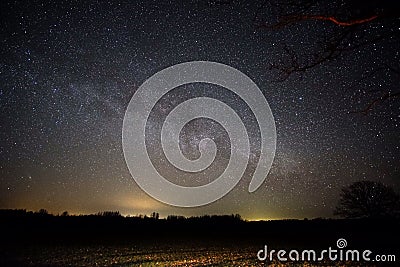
237	217
368	199
65	213
43	212
109	214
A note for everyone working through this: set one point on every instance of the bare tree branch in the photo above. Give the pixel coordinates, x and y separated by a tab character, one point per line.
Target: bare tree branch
338	22
385	95
368	24
377	101
288	20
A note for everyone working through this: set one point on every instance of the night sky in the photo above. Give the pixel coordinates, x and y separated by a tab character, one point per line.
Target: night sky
68	71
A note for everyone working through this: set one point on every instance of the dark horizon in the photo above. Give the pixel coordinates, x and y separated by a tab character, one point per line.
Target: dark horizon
116	213
108	239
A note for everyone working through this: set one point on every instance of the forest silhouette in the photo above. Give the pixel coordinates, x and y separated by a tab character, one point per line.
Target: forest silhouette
365	225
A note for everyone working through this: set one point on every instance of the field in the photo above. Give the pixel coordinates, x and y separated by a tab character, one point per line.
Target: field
35	240
156	256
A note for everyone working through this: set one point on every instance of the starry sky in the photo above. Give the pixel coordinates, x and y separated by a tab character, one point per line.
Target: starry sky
69	69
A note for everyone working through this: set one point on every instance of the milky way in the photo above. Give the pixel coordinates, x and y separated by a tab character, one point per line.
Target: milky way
69	69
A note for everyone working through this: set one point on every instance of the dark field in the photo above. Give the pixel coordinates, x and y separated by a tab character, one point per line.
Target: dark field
155	256
46	240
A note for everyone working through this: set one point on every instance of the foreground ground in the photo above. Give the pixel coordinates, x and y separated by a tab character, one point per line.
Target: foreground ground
43	240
